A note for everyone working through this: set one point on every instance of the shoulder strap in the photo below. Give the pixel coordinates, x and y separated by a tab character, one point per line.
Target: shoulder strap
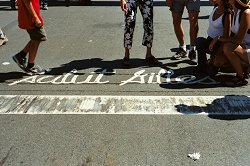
223	19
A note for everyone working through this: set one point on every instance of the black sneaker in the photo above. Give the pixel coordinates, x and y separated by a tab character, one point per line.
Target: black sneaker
35	70
13	4
181	53
192	55
20	61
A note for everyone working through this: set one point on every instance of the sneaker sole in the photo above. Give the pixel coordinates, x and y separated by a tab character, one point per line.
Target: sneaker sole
33	74
174	58
192	58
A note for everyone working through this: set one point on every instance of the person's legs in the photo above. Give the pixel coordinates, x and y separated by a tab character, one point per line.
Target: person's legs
234	55
233	58
193	7
36	35
44	4
146	8
31	68
194	28
177	11
221	61
33	47
130	19
27	47
13	4
193	32
202	49
179	32
20	58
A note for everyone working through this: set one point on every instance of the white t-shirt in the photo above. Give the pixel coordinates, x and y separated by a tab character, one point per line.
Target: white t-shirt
236	26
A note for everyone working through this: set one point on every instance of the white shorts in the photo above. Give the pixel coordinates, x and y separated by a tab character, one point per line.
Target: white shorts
248	54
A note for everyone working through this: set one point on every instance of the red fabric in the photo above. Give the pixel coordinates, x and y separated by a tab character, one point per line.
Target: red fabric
25	19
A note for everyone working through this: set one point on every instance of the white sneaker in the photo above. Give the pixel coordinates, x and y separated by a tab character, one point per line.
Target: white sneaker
3	39
45	7
35	70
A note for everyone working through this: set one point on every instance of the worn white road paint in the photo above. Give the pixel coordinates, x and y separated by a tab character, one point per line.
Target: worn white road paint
5	63
163	77
42	104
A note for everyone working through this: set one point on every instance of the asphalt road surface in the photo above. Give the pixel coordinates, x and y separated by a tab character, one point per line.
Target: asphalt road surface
89	109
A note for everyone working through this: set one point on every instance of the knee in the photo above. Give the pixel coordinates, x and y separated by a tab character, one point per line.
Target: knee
220	61
227	49
217	62
176	18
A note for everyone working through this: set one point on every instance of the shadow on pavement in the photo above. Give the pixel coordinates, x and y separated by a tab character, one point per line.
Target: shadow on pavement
101	65
11	76
174	78
230	107
186	77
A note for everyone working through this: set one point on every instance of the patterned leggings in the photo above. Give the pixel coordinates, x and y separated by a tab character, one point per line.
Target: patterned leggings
146	8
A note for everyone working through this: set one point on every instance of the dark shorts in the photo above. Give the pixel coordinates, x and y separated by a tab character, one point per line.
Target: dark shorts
191	5
37	34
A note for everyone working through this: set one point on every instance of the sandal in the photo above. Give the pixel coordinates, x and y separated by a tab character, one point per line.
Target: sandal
247	72
236	82
152	60
126	61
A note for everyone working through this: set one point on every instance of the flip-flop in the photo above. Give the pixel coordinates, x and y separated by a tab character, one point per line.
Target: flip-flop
126	61
247	72
152	60
237	82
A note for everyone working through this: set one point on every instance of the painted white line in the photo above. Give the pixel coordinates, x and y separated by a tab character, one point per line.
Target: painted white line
177	105
5	63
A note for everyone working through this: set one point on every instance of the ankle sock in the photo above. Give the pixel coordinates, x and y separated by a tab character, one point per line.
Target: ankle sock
192	48
30	65
183	47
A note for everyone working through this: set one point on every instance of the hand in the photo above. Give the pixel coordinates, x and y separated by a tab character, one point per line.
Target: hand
211	45
123	4
38	22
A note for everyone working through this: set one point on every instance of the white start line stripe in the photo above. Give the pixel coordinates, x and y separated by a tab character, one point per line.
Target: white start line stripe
180	105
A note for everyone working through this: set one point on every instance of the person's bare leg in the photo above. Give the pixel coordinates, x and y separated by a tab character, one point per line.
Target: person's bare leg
150	58
27	47
126	57
194	27
221	61
33	50
126	52
233	58
179	32
148	52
